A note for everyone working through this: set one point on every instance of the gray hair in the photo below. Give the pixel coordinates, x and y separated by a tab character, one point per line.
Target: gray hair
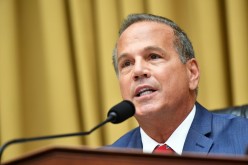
182	43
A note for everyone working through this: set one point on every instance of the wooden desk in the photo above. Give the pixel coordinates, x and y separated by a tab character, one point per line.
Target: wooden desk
76	156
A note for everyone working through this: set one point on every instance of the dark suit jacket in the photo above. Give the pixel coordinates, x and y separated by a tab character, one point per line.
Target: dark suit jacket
209	134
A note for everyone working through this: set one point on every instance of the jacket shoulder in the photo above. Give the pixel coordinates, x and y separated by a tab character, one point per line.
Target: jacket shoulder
221	129
131	139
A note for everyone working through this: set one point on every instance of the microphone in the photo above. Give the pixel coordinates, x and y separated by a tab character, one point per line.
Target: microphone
117	114
121	111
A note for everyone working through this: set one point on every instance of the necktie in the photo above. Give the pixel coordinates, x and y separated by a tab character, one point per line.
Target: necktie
163	149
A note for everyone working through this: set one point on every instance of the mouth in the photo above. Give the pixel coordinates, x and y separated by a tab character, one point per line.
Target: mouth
144	91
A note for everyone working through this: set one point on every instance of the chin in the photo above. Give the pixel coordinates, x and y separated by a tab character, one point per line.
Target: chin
143	110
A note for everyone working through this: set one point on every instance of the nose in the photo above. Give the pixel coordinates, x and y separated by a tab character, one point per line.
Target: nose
141	70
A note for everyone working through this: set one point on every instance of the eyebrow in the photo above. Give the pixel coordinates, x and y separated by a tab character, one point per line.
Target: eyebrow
122	56
155	48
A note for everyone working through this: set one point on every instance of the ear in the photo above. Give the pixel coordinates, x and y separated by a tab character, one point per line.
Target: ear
193	73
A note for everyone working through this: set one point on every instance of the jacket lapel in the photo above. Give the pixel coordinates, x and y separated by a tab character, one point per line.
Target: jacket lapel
135	140
198	139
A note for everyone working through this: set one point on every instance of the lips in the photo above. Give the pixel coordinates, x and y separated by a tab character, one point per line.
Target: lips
141	91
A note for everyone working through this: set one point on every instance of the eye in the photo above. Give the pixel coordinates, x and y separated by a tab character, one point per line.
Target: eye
125	64
154	56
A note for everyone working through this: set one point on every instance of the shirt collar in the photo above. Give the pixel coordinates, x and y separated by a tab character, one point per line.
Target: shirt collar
175	141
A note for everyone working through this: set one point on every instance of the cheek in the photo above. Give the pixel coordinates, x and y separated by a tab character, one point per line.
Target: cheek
125	88
173	79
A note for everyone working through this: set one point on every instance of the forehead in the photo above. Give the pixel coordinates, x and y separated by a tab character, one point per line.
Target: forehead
145	34
146	26
146	30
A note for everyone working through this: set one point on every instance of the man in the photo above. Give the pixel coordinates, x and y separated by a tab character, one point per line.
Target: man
157	71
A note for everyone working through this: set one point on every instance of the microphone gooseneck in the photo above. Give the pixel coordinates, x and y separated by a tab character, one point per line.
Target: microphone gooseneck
117	114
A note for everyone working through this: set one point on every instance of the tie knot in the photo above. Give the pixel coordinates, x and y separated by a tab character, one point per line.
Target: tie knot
163	149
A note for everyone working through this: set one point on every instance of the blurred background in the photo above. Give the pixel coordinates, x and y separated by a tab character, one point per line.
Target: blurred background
56	70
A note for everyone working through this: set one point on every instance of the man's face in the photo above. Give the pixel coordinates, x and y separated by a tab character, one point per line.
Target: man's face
151	74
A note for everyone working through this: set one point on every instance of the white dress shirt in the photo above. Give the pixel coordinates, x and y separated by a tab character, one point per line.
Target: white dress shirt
175	141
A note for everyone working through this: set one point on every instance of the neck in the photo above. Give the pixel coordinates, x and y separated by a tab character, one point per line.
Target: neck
160	126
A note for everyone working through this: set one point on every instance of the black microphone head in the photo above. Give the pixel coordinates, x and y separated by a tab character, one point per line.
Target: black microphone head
121	111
